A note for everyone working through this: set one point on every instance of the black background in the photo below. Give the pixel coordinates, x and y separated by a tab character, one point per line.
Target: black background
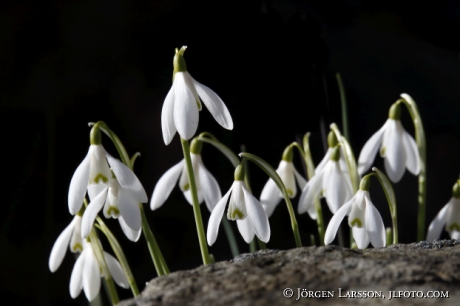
66	63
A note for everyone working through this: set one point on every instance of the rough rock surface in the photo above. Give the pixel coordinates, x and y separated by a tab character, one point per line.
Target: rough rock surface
426	268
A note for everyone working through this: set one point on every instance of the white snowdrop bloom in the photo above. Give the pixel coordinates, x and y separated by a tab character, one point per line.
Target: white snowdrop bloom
363	218
448	218
396	146
182	104
118	203
93	175
271	195
86	273
244	208
331	182
207	186
70	237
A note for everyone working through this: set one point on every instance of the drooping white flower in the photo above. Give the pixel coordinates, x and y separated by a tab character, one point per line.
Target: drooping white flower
271	195
396	146
243	207
363	218
448	218
118	203
331	182
70	237
182	104
86	273
93	175
207	186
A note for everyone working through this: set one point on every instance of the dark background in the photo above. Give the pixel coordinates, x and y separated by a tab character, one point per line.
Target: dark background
66	63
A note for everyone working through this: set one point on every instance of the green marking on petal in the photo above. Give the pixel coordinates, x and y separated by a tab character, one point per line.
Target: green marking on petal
382	152
113	209
356	222
454	227
186	187
77	247
290	192
237	214
99	177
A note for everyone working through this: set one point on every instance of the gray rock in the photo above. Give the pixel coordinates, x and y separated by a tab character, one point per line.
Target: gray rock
331	275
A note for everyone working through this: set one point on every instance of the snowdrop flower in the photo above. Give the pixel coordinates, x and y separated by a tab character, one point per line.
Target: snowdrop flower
70	237
331	182
207	186
119	203
86	273
448	218
363	218
271	195
244	208
182	104
397	147
94	175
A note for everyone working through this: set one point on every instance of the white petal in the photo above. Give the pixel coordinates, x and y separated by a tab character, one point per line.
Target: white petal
189	82
334	224
286	173
78	185
165	185
60	247
76	242
311	191
209	186
368	152
412	156
167	117
374	225
237	205
76	283
91	275
131	234
436	226
269	198
216	217
361	237
336	189
91	212
95	189
215	105
301	181
257	216
395	155
245	229
129	209
127	179
185	108
116	271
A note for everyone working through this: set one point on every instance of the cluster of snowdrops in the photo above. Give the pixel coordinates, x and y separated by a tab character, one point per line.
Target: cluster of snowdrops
103	182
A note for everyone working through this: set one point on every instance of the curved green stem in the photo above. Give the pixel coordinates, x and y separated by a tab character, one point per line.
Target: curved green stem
119	254
196	204
421	144
276	178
